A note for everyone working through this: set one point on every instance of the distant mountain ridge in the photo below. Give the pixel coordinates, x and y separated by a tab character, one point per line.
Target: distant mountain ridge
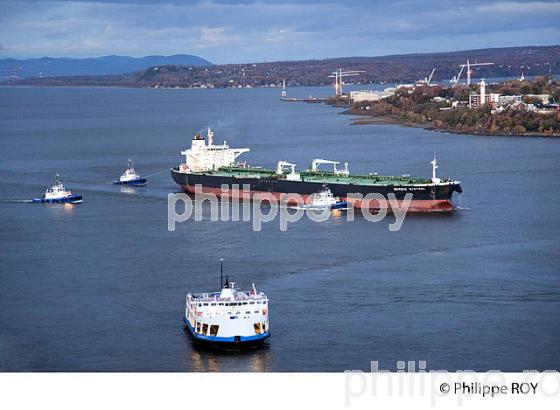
508	62
107	65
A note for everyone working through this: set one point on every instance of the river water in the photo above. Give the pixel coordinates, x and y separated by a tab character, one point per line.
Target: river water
100	286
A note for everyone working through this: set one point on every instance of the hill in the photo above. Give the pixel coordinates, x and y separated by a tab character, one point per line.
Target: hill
55	67
510	61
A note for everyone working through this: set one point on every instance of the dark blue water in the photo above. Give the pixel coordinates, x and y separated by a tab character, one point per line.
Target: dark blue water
100	286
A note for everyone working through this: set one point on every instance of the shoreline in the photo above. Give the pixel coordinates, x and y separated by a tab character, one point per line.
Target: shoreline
380	119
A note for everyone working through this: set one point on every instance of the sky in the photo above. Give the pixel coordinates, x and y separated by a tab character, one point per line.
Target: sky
241	31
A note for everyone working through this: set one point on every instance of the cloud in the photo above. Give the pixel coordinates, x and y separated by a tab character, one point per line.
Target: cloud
213	36
283	35
518	7
226	31
55	35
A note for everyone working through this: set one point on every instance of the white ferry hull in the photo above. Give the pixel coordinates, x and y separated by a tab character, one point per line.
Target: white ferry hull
235	341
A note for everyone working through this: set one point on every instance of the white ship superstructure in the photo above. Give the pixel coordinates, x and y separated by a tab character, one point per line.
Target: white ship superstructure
130	177
58	194
323	199
228	317
57	190
206	156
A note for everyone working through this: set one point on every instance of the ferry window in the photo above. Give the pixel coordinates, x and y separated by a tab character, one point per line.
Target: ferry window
248	312
256	311
214	330
204	328
264	327
257	327
259	302
206	304
264	303
251	303
213	304
197	327
220	304
244	303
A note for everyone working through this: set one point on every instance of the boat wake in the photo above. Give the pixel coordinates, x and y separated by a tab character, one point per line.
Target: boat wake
317	208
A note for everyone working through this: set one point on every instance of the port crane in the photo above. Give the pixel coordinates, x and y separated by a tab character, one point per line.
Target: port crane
339	75
426	80
455	80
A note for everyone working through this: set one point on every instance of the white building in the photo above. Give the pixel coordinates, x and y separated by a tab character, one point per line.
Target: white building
478	100
510	99
367	95
545	98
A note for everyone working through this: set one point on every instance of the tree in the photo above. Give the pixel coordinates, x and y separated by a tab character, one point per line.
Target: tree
519	129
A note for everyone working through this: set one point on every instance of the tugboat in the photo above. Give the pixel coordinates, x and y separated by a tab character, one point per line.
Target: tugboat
324	199
130	177
229	318
56	194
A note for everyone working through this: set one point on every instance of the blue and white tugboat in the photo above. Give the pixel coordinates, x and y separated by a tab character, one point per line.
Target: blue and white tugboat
228	318
324	199
56	194
130	177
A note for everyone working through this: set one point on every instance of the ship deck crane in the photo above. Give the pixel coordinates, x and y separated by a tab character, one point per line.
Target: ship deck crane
283	164
318	161
293	175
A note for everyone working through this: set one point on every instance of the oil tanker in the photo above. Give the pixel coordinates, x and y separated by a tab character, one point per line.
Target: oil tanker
212	168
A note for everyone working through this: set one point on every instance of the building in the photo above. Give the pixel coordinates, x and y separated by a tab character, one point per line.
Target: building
478	100
439	99
545	98
510	99
367	95
519	106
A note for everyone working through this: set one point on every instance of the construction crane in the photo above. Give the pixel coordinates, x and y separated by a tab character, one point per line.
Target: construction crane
339	75
426	80
455	80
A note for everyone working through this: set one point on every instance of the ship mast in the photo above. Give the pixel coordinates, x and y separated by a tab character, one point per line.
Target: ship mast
434	163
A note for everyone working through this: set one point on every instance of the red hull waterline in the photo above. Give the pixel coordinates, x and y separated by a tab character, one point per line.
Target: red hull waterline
436	205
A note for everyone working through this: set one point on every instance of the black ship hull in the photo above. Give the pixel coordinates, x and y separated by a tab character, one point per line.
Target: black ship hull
426	198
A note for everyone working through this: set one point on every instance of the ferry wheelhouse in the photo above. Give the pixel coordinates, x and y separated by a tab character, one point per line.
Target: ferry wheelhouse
230	317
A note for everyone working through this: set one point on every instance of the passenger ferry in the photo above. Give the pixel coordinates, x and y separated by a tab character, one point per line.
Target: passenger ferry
56	194
229	318
130	177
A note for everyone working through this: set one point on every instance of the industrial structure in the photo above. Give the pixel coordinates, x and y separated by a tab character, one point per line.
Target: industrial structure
339	75
455	80
426	80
